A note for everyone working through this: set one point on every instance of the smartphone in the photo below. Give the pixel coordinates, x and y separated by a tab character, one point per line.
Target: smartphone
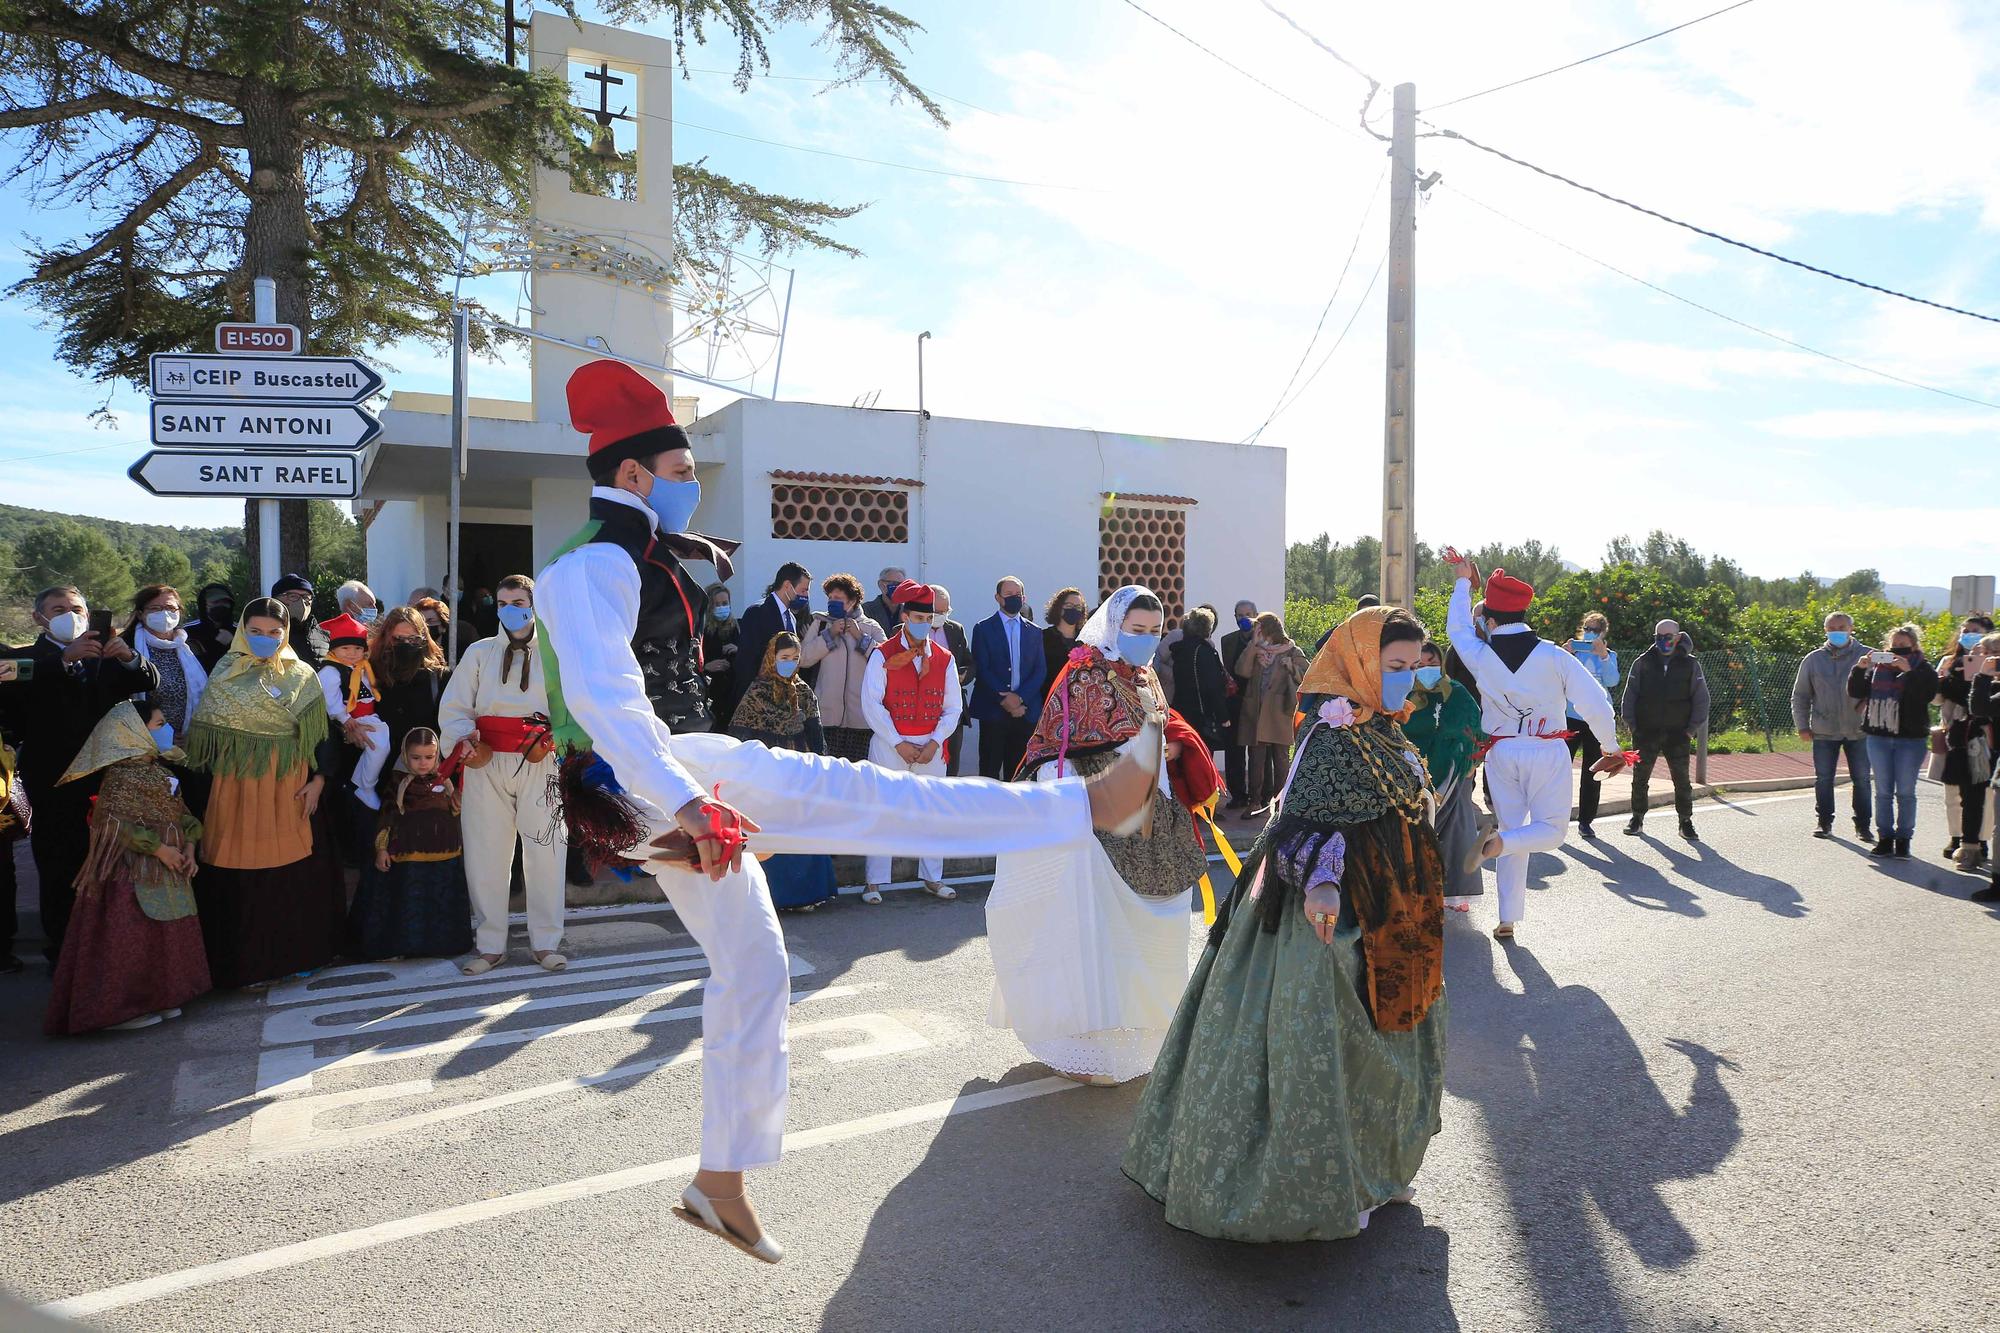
1579	645
16	668
100	625
1881	657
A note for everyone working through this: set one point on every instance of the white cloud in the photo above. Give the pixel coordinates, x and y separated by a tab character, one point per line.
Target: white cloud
1886	427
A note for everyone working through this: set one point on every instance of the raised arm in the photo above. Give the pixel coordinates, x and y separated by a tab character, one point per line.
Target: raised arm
1472	650
588	602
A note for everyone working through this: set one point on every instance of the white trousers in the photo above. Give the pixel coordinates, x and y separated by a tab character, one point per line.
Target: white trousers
368	768
809	803
505	801
883	753
1530	781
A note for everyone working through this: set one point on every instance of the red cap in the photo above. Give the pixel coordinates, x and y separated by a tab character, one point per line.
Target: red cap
344	629
625	414
913	596
1504	592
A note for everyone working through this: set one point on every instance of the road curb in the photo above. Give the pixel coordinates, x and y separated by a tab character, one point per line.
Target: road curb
1623	805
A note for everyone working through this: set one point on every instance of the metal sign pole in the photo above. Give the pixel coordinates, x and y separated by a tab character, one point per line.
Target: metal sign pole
265	311
461	427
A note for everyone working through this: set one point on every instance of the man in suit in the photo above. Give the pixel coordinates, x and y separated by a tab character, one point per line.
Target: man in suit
1235	758
961	651
785	608
1010	680
74	681
880	610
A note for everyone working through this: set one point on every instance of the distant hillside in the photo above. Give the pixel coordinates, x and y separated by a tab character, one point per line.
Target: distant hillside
1925	599
202	546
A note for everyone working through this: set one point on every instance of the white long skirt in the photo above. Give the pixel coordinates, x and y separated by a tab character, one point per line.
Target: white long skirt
1085	971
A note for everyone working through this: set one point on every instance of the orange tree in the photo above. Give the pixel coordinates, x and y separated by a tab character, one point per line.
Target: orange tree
1635	598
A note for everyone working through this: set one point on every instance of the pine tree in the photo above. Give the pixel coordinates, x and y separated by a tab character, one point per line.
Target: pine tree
341	147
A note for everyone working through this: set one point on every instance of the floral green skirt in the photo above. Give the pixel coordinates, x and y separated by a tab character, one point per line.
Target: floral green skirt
1277	1111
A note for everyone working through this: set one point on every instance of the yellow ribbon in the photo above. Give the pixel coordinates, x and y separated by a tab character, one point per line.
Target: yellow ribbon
1229	858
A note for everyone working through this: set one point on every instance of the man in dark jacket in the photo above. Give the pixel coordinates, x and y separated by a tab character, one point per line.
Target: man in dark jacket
1235	758
1666	698
308	639
214	627
783	610
74	681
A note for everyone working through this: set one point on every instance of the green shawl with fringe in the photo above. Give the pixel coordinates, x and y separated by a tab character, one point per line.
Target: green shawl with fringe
258	716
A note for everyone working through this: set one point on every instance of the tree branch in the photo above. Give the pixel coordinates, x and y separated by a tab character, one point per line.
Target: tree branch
227	134
59	22
42	115
62	266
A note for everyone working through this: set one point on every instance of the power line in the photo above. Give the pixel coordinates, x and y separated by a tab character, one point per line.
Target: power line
1226	61
1367	211
1726	318
1712	235
1497	88
1300	29
1369	291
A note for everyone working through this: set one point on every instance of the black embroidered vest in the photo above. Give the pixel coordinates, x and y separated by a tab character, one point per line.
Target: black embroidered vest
667	641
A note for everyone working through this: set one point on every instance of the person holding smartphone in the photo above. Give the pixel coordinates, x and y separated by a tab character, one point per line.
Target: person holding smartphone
1592	647
1964	764
1895	686
80	671
1983	704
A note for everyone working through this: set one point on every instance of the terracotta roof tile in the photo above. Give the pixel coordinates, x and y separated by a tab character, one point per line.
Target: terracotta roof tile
841	479
1125	497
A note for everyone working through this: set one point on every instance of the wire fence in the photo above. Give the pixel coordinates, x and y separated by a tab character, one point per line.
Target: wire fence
1748	690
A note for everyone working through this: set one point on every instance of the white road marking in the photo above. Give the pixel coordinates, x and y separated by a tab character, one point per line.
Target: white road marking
466	1214
290	1071
442	973
288	1125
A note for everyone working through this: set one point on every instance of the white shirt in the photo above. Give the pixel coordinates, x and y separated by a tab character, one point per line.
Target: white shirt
588	602
933	656
1536	699
475	690
1012	624
785	615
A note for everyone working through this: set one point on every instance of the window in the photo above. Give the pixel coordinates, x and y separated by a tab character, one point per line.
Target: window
825	513
1144	542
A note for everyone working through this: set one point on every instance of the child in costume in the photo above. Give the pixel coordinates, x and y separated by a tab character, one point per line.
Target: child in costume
133	953
348	683
412	900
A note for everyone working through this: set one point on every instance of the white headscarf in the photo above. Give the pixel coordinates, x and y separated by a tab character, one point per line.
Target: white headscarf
148	643
1101	630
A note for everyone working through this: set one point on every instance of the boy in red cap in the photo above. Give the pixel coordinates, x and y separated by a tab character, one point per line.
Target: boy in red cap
909	694
1527	687
347	683
619	641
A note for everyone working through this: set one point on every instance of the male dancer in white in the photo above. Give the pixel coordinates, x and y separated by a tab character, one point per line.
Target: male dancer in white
618	625
1526	689
497	708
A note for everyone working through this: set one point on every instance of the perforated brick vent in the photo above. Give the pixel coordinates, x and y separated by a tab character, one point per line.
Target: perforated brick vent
1146	545
839	513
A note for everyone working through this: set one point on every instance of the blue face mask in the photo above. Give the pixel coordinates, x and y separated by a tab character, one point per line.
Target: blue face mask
800	605
514	619
1396	689
1012	605
1428	677
1244	623
836	610
1838	637
786	667
918	633
263	645
1969	640
723	612
163	737
1588	636
368	617
1137	649
673	503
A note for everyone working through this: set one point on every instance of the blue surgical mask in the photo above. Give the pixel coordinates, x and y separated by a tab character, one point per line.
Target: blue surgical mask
368	617
263	645
163	737
786	667
919	633
1137	649
1664	642
514	619
836	610
1838	637
1428	677
1589	636
1011	605
1396	689
673	503
1969	640
1244	623
724	611
800	605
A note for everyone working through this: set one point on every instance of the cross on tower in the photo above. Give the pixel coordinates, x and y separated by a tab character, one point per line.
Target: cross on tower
604	79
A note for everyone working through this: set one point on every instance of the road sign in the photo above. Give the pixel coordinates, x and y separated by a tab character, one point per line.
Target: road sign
201	377
220	474
262	426
268	339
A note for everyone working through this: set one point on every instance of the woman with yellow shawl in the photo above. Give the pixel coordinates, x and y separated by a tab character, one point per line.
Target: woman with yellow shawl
1300	1082
273	902
132	955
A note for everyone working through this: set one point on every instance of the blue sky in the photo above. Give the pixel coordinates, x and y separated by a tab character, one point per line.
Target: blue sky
1172	290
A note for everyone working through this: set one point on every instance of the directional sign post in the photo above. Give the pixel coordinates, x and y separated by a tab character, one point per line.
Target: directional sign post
262	426
269	339
200	377
225	474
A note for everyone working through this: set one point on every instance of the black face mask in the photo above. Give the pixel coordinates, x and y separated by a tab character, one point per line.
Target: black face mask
1072	615
407	653
220	613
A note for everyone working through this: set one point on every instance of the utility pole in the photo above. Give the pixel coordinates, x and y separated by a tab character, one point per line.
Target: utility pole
1399	437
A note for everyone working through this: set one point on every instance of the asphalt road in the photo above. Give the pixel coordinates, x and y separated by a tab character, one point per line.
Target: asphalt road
1745	1085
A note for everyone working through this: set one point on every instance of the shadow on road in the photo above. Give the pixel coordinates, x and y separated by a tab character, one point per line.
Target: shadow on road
1017	1217
1633	880
1578	1127
1712	870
